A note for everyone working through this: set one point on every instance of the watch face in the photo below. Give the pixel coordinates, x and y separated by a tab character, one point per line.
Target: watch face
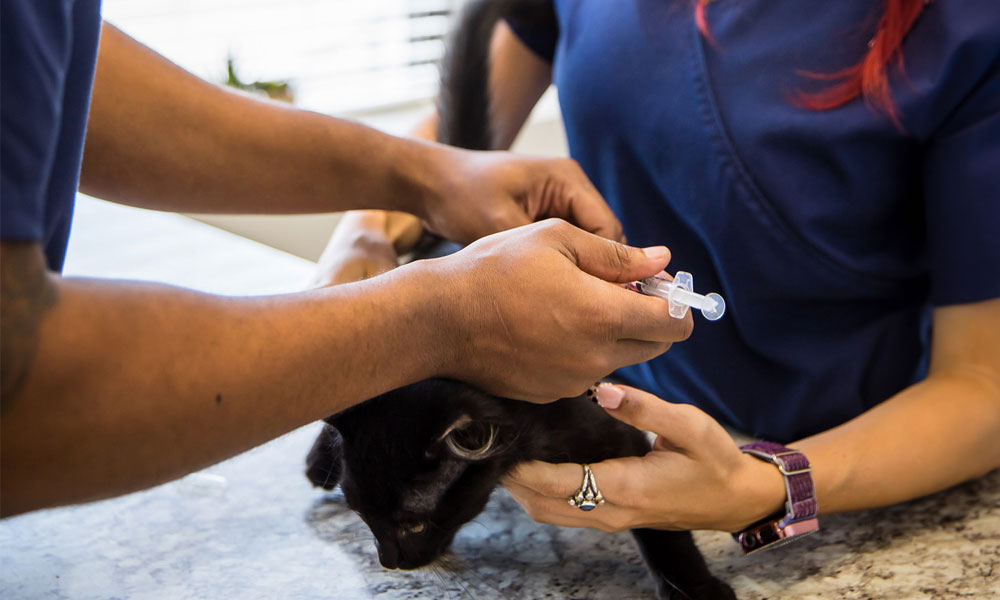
769	535
759	537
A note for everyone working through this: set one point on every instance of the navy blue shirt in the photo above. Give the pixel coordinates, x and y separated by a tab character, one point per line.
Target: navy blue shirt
831	234
49	51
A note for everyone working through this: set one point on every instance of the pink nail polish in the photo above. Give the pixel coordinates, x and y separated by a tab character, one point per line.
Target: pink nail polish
609	396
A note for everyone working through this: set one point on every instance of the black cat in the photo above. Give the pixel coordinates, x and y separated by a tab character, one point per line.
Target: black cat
419	462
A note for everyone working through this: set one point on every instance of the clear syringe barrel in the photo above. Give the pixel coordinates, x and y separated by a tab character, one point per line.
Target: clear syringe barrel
680	296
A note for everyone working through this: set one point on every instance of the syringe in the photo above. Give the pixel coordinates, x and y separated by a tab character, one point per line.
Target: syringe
680	296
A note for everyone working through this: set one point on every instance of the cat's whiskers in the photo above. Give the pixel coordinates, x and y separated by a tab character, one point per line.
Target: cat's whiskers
453	566
461	584
441	579
354	538
483	525
326	480
459	568
677	589
355	532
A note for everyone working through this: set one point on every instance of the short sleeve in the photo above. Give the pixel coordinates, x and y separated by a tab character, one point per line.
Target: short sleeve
35	49
539	32
962	198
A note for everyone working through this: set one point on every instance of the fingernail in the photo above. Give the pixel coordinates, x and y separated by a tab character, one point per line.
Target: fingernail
655	252
609	396
592	392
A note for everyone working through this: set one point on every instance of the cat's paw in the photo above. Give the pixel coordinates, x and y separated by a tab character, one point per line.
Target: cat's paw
713	589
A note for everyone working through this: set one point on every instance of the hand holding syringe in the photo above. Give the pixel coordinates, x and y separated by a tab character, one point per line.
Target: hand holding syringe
680	295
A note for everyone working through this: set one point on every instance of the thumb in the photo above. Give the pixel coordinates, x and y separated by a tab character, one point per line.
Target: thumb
676	424
613	261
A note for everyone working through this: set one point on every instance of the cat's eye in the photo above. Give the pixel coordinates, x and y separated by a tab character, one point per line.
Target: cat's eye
414	528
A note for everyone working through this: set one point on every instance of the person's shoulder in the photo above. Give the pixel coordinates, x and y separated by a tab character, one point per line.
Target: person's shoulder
968	25
952	64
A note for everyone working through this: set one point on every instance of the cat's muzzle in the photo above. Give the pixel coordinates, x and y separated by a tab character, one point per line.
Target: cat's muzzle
589	496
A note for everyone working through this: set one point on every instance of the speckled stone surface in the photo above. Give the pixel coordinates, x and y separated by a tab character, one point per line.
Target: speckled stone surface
253	527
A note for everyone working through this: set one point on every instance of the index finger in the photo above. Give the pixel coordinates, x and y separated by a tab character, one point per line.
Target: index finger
593	214
589	210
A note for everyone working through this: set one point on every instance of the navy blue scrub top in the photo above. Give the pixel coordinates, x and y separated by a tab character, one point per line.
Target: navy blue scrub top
49	52
831	234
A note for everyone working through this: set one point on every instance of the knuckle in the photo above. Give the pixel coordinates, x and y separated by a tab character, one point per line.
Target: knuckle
573	166
632	494
611	523
617	256
555	228
687	411
599	364
604	526
552	489
619	522
575	389
622	255
554	224
701	427
706	430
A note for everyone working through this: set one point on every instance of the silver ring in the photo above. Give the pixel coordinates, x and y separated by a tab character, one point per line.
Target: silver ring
588	497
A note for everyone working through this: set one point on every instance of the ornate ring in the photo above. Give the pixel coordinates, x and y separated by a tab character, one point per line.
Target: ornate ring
588	496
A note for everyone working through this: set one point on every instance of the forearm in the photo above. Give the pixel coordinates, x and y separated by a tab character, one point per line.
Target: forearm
935	434
161	138
136	384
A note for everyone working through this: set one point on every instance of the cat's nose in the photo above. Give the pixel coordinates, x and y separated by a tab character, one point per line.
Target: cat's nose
388	554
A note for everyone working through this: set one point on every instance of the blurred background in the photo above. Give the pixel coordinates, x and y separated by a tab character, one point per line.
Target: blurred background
372	61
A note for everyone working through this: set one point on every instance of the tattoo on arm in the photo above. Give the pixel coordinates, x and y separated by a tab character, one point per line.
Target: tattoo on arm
27	293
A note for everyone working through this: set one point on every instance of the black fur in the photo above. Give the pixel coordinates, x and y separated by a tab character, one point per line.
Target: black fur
393	448
464	99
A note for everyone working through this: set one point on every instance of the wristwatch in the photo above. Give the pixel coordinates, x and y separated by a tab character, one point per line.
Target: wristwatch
799	517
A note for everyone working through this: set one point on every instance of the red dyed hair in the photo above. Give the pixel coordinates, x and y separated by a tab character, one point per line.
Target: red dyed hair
868	78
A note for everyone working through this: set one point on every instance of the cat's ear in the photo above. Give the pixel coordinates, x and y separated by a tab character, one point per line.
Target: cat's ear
470	439
324	463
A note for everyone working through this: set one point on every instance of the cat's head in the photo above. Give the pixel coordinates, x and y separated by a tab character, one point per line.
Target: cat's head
416	463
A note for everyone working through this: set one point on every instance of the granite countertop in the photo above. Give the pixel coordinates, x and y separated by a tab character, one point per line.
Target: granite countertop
253	527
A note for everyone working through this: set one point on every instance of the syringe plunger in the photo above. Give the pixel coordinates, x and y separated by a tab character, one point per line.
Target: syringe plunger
680	296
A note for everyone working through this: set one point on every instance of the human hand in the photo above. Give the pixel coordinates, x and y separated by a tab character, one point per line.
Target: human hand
535	317
695	477
487	192
360	247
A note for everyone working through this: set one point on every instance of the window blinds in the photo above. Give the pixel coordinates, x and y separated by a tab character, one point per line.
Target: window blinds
339	56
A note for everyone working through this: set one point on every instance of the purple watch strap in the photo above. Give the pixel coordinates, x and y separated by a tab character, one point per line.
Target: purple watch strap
794	466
